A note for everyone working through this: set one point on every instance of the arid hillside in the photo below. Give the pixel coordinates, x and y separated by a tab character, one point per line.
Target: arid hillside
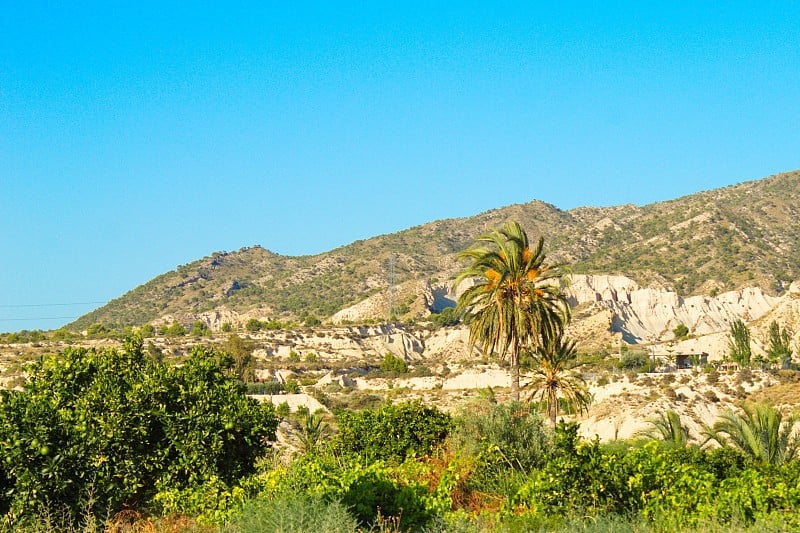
699	245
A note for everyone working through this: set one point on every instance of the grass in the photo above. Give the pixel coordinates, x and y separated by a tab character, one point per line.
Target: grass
293	513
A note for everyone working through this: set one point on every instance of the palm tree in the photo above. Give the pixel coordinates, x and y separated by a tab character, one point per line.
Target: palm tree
760	433
551	364
312	431
668	428
516	300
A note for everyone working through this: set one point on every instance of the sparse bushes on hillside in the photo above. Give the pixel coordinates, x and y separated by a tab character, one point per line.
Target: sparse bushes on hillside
254	324
23	336
269	387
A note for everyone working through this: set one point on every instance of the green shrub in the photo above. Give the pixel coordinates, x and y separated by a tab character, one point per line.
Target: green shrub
393	364
200	329
447	317
311	320
282	410
293	512
632	360
391	432
175	330
512	435
270	387
99	431
372	493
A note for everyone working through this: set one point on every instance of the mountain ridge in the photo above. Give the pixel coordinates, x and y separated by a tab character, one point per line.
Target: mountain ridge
715	240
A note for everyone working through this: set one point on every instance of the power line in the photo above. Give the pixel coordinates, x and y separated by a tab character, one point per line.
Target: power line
39	318
50	305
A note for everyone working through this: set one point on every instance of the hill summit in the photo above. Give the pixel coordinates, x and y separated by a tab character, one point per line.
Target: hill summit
705	243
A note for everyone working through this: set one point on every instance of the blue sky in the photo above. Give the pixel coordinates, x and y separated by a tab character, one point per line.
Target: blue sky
135	137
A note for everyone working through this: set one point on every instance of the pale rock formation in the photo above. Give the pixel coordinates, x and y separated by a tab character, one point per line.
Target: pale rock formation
649	314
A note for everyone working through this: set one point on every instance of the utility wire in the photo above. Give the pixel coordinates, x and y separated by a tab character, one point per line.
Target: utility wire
40	318
50	305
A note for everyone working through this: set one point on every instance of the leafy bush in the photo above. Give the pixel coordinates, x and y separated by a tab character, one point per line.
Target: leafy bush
391	432
105	430
681	331
374	493
270	387
253	325
632	360
499	445
393	364
513	435
447	317
200	329
311	320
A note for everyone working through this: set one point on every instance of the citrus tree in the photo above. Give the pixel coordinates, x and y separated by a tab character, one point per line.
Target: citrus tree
99	431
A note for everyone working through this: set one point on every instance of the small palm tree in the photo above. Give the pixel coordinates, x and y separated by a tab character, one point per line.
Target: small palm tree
312	431
668	428
553	378
516	301
759	432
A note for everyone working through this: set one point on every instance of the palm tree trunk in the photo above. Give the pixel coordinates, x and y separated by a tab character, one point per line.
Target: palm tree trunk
514	374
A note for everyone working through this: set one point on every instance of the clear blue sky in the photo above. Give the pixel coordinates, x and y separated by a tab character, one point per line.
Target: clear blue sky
138	136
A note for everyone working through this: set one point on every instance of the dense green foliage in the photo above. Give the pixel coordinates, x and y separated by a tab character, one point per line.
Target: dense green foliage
677	487
393	364
506	471
760	431
493	467
681	331
512	435
446	317
103	430
392	432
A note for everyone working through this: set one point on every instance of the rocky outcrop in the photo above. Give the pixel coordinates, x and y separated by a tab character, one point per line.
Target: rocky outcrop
650	314
614	306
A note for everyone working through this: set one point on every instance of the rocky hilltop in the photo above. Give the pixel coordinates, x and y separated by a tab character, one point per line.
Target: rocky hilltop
698	260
